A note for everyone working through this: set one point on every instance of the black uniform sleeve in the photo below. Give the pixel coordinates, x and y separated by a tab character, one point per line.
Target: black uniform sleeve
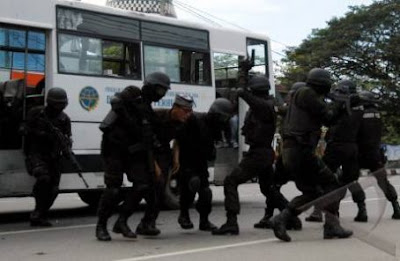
310	101
258	104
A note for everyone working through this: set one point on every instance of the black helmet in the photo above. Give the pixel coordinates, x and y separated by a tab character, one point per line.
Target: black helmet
158	78
320	79
369	98
259	84
346	87
221	106
57	96
296	86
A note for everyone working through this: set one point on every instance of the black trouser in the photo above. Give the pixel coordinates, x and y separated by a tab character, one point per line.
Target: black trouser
373	162
281	176
188	191
257	162
45	190
312	177
142	186
345	155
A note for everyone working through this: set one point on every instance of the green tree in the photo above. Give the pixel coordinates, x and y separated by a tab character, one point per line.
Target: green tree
364	45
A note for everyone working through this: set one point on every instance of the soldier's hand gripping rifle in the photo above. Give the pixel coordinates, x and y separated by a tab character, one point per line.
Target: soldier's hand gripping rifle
65	148
245	66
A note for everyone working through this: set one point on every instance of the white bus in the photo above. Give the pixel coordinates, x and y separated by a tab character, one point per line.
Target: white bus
94	51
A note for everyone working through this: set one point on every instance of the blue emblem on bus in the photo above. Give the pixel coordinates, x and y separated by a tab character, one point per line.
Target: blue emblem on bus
89	98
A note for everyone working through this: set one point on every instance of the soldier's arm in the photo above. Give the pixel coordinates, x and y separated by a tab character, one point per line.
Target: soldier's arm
314	104
175	157
257	104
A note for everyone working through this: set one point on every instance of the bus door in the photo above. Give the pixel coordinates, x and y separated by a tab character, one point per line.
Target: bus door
22	86
226	67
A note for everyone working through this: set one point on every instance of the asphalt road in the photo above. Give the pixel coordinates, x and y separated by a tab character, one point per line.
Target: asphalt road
72	237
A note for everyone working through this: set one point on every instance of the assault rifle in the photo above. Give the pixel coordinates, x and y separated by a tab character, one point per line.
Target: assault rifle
65	147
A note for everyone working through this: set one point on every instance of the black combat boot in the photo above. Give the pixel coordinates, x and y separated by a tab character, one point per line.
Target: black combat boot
107	202
102	233
396	210
147	229
294	223
121	227
264	221
38	219
333	229
279	224
362	213
316	216
230	227
184	220
205	224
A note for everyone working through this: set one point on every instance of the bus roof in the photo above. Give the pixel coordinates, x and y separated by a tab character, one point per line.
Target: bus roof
153	17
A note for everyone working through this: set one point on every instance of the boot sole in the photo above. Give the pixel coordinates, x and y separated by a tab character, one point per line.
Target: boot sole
104	239
147	234
335	236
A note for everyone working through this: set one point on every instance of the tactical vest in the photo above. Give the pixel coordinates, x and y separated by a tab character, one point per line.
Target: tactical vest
257	130
301	124
370	130
347	127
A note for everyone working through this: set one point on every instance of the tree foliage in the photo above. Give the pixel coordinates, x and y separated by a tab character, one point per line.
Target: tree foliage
364	45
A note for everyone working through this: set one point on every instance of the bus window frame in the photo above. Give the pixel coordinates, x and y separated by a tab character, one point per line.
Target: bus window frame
141	43
102	75
180	49
266	46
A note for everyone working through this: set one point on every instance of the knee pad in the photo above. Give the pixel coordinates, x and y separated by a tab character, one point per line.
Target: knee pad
194	184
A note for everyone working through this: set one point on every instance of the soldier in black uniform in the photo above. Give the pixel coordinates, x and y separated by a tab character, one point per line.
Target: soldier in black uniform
196	147
341	138
369	141
281	177
127	147
43	130
259	130
307	112
171	121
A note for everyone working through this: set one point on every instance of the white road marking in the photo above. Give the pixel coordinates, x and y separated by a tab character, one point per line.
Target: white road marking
198	250
44	229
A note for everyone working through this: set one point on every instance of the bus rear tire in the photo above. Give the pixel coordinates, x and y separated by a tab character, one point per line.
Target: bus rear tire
91	198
